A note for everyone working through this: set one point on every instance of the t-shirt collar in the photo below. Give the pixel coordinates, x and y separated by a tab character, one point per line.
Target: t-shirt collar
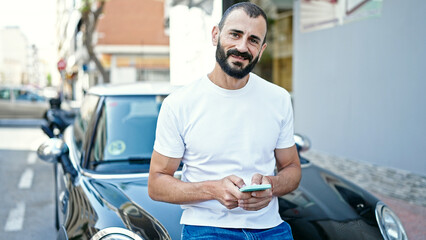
229	92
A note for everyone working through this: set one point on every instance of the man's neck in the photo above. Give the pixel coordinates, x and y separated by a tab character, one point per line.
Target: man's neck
223	80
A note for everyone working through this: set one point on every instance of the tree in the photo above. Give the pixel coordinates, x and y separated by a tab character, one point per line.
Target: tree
90	12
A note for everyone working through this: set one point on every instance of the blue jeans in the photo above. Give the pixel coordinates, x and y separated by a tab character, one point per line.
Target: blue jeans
282	231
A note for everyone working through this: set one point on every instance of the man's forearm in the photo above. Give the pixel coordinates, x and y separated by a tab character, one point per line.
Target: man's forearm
286	180
166	188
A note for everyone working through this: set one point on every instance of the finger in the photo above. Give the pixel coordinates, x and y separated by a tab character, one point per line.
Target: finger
262	194
253	200
239	182
231	205
266	180
244	195
229	201
257	203
240	195
233	184
254	205
256	179
229	198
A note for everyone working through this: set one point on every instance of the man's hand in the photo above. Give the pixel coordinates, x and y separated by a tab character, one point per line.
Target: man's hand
258	199
286	180
162	186
228	193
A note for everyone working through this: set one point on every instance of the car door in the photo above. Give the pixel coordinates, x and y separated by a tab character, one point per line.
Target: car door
27	104
6	108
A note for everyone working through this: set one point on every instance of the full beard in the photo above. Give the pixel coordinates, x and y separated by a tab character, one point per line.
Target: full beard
238	71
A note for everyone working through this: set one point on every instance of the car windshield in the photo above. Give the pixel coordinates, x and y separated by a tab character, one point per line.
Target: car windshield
125	133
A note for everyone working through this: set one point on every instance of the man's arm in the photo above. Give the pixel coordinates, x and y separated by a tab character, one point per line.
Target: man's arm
286	180
289	171
162	186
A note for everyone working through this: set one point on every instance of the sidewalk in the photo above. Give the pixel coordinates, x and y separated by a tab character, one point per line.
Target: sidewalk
21	122
402	191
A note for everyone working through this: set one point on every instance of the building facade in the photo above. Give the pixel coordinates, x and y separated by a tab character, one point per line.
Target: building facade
13	56
130	41
359	87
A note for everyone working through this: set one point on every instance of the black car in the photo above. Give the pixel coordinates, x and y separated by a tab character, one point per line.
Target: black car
101	166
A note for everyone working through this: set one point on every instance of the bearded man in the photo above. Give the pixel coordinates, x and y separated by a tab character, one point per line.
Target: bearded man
230	129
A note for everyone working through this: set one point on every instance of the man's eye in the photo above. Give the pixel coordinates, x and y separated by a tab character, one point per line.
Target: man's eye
234	35
255	41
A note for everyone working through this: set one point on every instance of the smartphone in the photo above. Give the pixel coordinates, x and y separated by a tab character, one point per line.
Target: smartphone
252	188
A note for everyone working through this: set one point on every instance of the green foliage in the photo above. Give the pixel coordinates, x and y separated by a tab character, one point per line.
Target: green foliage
49	79
86	6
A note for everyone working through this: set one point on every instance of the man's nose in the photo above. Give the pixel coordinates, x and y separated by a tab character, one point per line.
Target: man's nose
242	45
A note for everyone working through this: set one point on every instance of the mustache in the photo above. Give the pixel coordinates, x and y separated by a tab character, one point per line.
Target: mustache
235	52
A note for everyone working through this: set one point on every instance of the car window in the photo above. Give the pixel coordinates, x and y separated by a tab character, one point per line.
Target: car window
125	134
4	94
25	95
83	119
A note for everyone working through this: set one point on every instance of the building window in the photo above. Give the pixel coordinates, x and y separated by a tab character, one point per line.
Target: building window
153	74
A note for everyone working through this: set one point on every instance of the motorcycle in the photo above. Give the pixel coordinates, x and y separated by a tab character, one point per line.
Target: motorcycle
57	119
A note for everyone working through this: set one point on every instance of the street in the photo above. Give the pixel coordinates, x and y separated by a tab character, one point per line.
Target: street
27	200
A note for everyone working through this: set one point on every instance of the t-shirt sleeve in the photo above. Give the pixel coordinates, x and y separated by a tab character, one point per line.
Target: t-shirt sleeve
168	140
286	137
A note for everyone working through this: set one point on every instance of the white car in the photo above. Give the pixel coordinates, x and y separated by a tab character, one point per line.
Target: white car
21	102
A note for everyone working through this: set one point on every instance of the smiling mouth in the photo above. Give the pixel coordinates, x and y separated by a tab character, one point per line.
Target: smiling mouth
239	57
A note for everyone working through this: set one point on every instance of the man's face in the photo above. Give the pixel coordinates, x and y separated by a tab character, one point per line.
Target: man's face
240	43
235	69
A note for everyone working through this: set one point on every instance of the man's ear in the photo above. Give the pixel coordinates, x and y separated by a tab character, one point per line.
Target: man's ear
215	35
261	51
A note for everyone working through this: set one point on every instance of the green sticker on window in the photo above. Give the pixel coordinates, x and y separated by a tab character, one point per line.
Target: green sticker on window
116	147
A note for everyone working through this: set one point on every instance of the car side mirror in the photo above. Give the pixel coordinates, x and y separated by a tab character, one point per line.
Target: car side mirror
50	150
302	142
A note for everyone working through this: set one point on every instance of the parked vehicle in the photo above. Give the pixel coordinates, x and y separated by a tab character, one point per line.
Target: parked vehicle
101	166
57	119
21	102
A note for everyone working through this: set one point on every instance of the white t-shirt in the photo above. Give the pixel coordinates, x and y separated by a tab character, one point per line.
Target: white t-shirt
220	132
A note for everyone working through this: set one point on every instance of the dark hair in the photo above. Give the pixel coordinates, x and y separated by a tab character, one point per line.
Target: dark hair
251	9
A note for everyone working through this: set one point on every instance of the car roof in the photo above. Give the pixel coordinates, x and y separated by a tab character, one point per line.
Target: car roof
28	88
23	87
138	88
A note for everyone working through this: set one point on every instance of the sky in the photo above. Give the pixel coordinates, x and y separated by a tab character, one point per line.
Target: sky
36	19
